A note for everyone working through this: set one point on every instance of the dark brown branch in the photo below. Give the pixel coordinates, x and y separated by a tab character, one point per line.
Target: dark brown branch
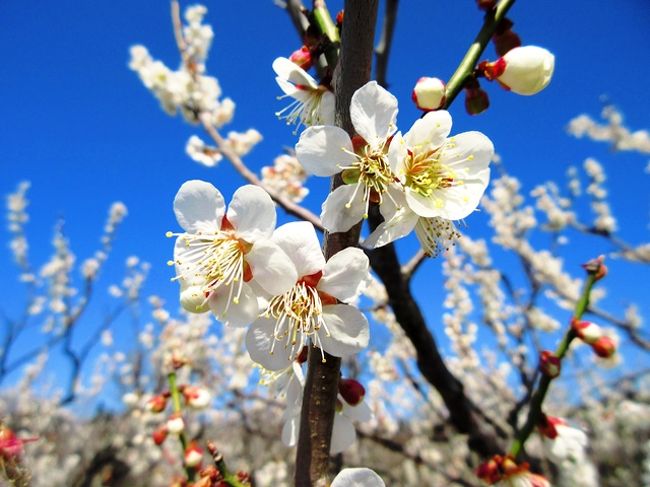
382	51
319	400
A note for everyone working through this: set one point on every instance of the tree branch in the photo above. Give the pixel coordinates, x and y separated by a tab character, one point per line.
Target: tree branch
382	50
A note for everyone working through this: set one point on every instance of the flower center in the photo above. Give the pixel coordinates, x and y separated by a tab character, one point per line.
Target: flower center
306	111
298	315
370	170
425	173
217	259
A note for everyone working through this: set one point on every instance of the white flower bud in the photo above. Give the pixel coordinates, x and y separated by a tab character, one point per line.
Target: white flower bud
429	93
193	300
528	70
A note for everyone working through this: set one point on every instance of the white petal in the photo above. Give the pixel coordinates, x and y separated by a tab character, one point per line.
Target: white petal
228	312
193	300
336	215
361	412
199	205
469	156
397	227
290	431
343	434
344	274
322	150
429	132
272	269
291	72
326	109
252	213
259	340
299	241
348	330
357	477
291	90
373	111
397	152
426	206
392	202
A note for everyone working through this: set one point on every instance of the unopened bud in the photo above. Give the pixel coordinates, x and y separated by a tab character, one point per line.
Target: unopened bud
339	18
160	435
197	397
486	5
596	267
604	347
193	454
587	331
302	57
549	364
194	300
175	424
157	403
352	391
523	70
428	94
476	101
488	471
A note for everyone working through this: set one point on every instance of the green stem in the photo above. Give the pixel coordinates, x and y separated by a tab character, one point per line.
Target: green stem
467	65
177	407
328	29
535	409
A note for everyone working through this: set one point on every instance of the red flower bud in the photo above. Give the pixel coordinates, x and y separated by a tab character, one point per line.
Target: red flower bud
549	364
302	57
159	436
352	391
596	267
428	94
486	5
11	447
339	18
587	331
157	404
505	42
476	101
193	454
548	426
604	347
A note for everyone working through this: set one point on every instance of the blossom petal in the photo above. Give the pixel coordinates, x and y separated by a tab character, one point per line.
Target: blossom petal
400	225
228	312
323	150
429	132
469	155
288	70
290	431
361	412
299	241
291	90
252	213
357	477
344	274
343	435
272	269
326	109
199	206
260	339
193	299
373	111
397	152
336	215
348	330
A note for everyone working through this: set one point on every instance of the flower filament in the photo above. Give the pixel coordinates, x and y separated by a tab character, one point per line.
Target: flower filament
306	111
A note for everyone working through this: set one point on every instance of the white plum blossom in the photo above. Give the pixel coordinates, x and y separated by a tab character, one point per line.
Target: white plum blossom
357	477
313	104
198	151
221	253
443	180
428	93
311	308
525	70
368	161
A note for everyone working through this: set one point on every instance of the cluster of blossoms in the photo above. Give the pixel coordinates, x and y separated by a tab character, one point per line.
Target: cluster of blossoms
238	265
422	181
286	177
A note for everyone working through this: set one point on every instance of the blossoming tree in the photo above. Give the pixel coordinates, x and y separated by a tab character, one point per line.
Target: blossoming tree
298	302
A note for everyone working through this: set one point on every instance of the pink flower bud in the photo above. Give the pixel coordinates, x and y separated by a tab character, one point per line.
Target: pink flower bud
175	424
197	397
549	364
193	454
352	391
160	435
428	94
587	331
523	70
11	447
596	267
548	426
302	57
157	403
604	347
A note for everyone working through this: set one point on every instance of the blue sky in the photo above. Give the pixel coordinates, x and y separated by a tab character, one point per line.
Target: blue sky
80	126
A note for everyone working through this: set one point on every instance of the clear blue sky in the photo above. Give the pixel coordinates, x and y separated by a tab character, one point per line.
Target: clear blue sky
80	126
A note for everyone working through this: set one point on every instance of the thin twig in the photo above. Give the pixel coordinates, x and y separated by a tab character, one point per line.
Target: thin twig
382	50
